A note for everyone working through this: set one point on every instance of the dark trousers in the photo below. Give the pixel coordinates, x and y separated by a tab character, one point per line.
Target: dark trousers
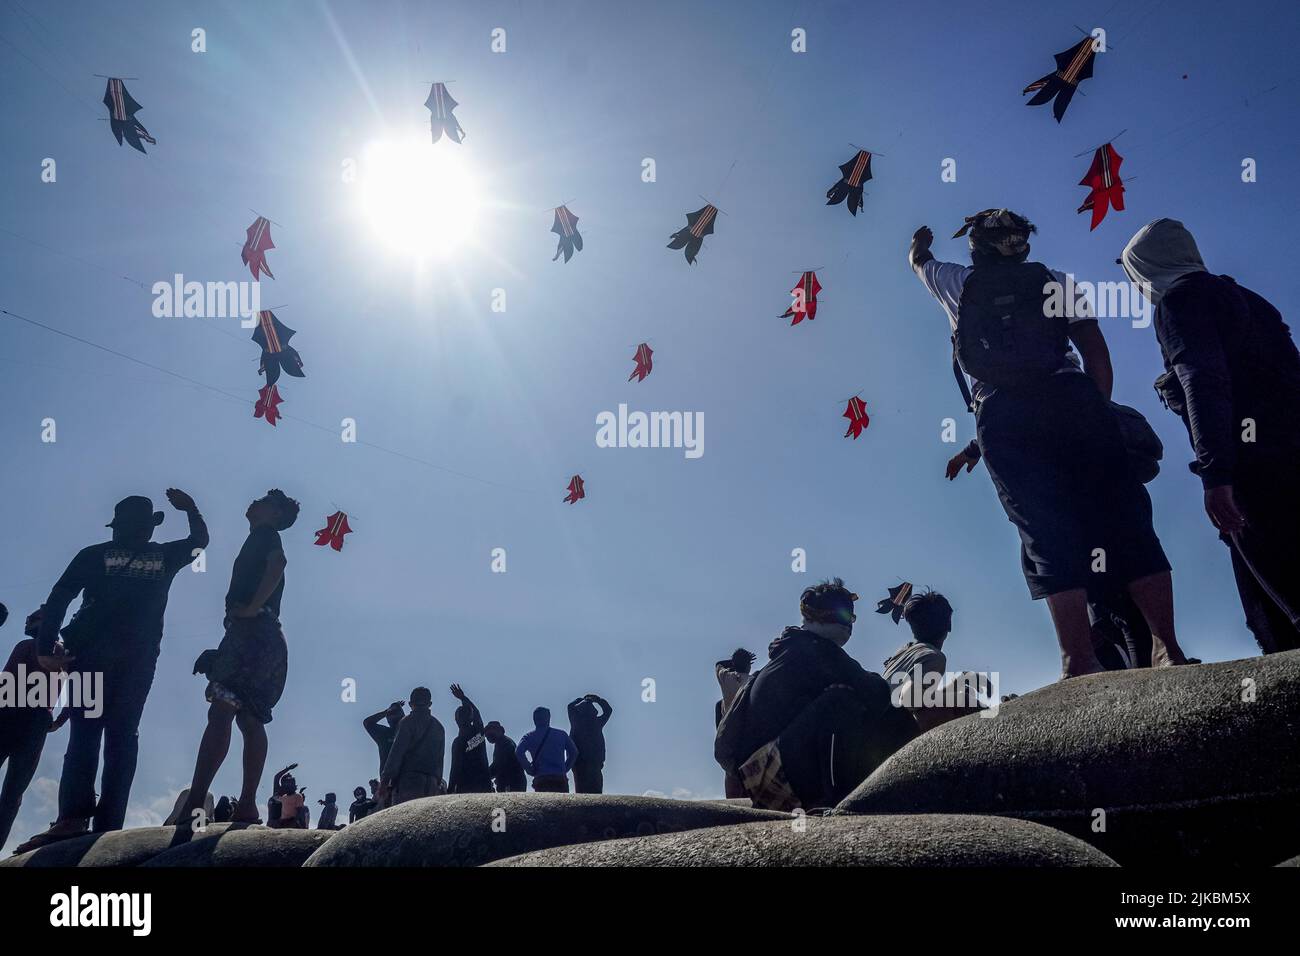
22	738
835	743
126	684
1263	555
588	778
1057	459
551	783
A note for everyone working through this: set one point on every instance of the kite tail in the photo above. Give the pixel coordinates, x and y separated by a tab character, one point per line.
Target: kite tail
291	362
577	240
835	195
1047	87
684	239
566	245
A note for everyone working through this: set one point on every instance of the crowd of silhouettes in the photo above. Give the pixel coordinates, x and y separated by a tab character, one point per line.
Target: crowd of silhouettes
1069	466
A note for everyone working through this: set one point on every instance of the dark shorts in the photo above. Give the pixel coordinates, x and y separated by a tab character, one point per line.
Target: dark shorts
248	669
1058	462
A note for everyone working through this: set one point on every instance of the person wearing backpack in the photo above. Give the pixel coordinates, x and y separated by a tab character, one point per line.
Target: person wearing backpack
414	765
1046	432
1232	374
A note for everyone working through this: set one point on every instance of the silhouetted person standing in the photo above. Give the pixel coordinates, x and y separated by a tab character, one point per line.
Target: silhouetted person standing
505	769
117	632
382	728
547	754
1232	374
247	671
1048	437
587	728
23	727
414	765
362	806
329	813
469	762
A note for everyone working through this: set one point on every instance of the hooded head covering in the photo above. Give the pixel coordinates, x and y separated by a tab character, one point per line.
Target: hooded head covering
1158	255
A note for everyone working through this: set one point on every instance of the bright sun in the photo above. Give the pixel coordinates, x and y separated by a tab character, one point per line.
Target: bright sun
422	198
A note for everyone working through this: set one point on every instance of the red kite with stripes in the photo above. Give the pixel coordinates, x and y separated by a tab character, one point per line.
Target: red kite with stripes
277	355
852	175
644	359
268	404
442	119
1072	68
566	227
255	246
698	225
336	526
576	490
804	294
1103	180
121	116
856	413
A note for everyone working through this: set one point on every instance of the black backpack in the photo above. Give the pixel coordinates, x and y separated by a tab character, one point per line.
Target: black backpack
1004	336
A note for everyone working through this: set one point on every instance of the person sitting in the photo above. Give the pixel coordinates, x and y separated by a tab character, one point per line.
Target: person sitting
362	806
812	723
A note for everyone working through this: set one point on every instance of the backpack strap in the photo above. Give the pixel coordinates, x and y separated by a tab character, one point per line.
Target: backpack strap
961	377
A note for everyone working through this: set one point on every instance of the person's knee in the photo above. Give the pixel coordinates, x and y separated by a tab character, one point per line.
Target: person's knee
221	714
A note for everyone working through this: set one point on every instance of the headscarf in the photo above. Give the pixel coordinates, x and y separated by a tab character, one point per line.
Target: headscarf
997	232
1159	254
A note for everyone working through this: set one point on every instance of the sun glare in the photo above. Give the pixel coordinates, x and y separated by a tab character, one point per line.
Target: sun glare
421	198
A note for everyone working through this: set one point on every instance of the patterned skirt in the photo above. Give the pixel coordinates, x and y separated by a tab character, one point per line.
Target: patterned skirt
248	669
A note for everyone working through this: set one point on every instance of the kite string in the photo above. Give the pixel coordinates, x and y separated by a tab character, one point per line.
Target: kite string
244	401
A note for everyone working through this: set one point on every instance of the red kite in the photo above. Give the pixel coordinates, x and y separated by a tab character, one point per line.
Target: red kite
644	363
852	175
856	413
576	490
1107	188
805	299
566	227
268	404
336	526
1072	67
698	225
255	246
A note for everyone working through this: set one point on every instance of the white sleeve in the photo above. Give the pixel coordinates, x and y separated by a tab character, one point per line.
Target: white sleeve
945	280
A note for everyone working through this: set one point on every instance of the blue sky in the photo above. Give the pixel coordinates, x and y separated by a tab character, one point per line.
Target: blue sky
668	563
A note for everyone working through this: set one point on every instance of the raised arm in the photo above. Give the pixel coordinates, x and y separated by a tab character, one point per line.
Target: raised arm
605	707
180	553
919	253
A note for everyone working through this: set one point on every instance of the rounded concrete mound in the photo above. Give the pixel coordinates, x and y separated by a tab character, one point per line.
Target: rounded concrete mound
473	829
120	847
260	847
1193	763
910	840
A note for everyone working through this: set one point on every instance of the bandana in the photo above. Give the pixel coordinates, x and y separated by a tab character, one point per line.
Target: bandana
997	232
